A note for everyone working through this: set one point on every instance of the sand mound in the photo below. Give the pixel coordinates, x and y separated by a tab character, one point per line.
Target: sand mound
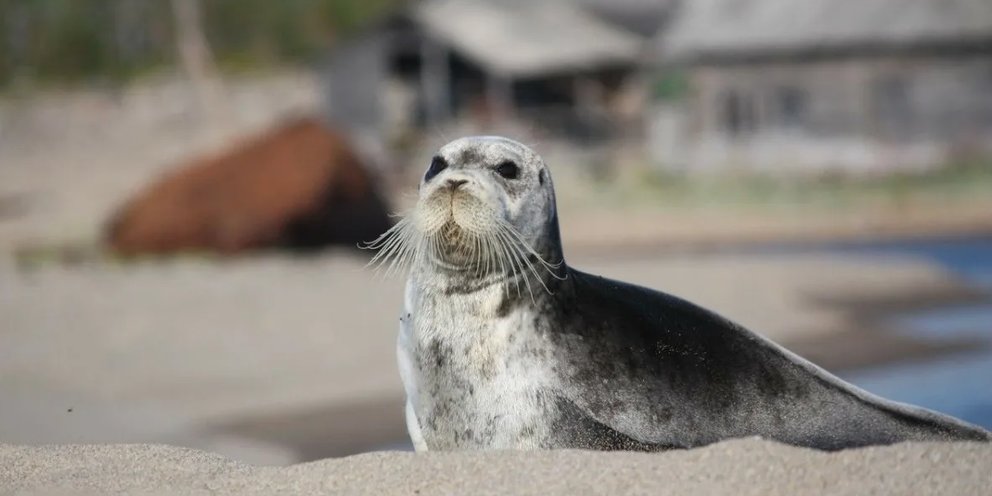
742	467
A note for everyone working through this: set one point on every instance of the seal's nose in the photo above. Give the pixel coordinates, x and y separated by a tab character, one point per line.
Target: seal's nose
455	183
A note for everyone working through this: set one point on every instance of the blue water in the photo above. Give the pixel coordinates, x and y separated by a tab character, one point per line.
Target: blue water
970	258
958	384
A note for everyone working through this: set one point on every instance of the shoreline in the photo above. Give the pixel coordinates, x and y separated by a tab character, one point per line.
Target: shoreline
872	340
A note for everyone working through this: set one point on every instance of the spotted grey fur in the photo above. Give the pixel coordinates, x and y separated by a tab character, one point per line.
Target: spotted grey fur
599	364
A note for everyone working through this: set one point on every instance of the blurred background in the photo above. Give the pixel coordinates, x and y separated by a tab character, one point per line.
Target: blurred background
183	182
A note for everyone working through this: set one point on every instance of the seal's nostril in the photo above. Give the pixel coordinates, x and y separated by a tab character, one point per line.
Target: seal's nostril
455	183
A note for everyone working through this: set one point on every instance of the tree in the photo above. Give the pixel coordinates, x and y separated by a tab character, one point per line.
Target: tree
198	62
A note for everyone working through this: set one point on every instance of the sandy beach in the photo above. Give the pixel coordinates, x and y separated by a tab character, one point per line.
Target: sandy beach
275	359
272	359
742	467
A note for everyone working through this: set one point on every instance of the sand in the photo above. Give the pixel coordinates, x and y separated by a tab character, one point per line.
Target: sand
739	467
279	360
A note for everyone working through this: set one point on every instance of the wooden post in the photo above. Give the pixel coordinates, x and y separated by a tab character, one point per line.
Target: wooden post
198	62
499	95
435	77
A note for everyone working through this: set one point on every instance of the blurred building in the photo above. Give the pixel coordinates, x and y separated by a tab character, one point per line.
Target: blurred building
863	85
568	67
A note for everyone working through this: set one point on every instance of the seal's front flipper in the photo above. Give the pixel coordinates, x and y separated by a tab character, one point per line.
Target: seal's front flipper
413	427
589	433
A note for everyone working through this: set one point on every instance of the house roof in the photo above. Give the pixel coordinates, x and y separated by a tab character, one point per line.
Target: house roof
526	39
643	17
733	28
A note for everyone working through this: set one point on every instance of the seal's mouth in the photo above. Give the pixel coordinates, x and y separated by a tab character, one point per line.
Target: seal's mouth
466	219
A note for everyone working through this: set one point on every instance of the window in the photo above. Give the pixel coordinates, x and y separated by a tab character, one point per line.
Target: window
792	106
893	107
738	113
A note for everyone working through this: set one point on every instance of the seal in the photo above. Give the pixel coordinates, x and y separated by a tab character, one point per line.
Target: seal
504	346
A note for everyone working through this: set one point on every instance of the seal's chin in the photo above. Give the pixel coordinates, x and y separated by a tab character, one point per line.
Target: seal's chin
455	244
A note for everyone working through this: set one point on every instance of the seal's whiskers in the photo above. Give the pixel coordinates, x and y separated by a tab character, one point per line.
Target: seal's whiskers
522	263
498	249
549	266
390	245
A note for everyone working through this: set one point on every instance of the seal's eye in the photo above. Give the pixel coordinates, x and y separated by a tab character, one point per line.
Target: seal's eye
508	169
438	164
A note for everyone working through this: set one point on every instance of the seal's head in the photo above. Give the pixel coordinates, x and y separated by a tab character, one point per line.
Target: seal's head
479	186
486	207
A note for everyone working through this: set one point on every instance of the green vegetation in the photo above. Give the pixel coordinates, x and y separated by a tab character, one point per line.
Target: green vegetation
69	41
642	187
672	86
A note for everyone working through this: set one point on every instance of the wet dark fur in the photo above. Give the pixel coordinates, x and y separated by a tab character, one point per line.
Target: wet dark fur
696	378
688	376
